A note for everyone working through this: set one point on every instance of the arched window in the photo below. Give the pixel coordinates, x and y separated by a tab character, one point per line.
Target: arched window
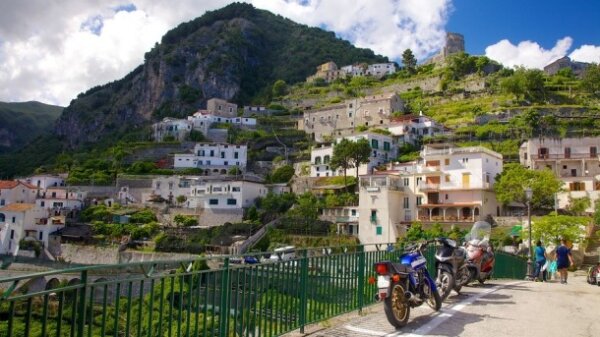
326	159
317	160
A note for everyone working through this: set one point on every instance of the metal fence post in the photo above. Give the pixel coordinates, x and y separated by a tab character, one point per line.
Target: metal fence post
303	289
81	309
224	307
361	277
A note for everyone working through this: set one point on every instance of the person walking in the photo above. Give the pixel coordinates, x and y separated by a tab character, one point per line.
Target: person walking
563	260
540	261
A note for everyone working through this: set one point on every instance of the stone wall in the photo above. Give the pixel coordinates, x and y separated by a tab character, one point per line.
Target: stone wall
80	254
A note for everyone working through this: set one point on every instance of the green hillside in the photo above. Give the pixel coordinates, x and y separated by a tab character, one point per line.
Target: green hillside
20	123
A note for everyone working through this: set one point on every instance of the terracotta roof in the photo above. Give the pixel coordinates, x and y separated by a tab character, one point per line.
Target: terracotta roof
28	185
8	184
17	207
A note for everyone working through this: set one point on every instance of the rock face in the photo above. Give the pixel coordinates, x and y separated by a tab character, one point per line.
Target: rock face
235	53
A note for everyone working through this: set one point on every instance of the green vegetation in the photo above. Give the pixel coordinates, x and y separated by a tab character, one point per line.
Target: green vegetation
20	123
511	184
553	227
409	61
282	174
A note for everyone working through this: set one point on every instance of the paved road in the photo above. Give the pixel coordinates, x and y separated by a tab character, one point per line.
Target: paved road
496	309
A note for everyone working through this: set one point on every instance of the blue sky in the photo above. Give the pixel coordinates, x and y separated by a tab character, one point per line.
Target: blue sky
486	22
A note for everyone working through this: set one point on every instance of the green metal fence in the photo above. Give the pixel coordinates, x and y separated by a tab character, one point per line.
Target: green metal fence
187	298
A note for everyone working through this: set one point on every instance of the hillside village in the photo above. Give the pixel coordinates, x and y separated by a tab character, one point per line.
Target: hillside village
368	166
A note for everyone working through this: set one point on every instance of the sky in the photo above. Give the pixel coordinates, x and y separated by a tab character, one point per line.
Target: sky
52	51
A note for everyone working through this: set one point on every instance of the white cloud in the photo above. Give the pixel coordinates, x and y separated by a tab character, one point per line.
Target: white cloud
527	53
52	53
586	53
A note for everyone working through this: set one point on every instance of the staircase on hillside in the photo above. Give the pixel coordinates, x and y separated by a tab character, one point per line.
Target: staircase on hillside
591	256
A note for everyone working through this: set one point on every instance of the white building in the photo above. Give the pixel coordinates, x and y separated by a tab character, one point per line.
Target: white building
574	161
45	181
384	148
169	188
413	128
225	193
14	191
178	129
214	157
381	69
26	222
203	119
448	185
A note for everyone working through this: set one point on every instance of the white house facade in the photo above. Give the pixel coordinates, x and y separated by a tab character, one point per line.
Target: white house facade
225	193
214	157
411	129
178	129
384	148
575	161
14	191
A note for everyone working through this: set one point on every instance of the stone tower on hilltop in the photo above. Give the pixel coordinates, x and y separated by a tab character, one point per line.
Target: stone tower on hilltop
455	43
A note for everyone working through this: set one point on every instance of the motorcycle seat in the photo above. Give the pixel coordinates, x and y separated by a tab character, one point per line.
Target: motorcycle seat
399	268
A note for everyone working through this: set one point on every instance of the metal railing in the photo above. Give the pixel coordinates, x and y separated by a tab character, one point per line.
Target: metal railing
186	298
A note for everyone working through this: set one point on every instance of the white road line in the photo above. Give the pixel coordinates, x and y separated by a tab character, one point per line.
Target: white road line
439	317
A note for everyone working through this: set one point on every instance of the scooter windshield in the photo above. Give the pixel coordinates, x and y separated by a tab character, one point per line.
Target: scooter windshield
481	230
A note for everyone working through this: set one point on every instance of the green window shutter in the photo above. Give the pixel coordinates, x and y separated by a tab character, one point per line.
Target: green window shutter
386	146
379	230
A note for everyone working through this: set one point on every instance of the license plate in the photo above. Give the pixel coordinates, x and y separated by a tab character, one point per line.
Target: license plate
383	284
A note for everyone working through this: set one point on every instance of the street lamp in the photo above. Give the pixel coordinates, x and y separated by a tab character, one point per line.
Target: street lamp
529	195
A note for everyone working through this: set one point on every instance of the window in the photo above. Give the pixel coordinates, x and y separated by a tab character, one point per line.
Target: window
12	234
386	146
326	159
378	230
593	151
419	201
374	143
419	180
42	203
447	178
406	203
53	194
213	201
158	186
222	154
170	185
236	155
405	181
349	114
212	153
487	178
317	160
2	202
231	201
14	219
353	212
447	161
226	163
41	236
235	189
525	155
446	196
465	160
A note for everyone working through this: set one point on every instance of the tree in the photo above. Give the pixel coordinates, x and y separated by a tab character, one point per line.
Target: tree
409	61
552	228
526	83
342	157
578	206
279	88
511	184
181	199
591	79
306	208
360	152
282	174
234	171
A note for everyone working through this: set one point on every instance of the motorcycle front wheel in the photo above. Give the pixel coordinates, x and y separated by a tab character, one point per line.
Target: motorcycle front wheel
445	283
433	297
396	307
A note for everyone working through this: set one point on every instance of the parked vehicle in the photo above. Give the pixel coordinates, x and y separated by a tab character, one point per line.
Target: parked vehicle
405	284
451	265
480	255
593	275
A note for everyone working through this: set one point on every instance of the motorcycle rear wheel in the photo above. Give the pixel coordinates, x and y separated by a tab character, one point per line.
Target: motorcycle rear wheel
396	307
445	283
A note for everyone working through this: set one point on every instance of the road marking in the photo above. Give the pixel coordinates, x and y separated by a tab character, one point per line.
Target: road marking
438	318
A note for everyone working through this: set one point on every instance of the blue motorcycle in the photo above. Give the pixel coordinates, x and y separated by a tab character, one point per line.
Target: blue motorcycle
406	285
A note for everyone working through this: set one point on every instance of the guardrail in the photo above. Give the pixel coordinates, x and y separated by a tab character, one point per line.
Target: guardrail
187	298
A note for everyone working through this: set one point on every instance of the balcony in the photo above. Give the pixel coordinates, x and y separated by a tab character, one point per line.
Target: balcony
562	156
429	187
375	183
346	219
